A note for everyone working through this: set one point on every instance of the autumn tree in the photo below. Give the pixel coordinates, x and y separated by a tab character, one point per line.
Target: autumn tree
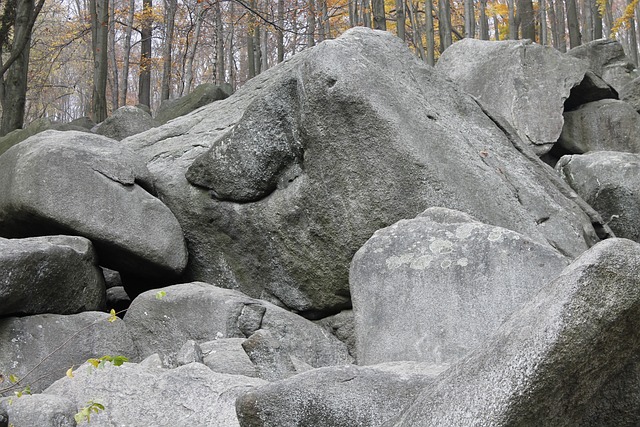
99	10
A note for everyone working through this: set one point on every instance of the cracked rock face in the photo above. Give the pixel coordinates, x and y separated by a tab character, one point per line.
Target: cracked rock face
433	288
278	185
81	184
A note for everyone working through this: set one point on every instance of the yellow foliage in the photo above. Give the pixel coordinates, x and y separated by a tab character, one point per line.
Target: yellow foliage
626	17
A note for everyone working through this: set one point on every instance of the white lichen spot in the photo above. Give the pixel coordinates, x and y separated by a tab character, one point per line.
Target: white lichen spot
398	261
440	246
446	263
421	262
465	230
462	262
495	235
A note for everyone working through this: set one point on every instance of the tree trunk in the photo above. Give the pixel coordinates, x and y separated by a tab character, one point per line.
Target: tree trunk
554	25
99	10
431	42
400	19
597	21
417	37
231	60
633	39
124	82
199	13
543	22
366	13
220	74
562	38
469	19
167	62
311	23
144	79
587	19
527	20
608	17
484	23
444	12
572	22
280	31
251	28
264	52
496	27
379	15
112	57
513	28
257	54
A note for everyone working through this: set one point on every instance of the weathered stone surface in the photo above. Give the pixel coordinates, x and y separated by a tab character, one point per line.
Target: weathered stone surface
548	360
381	134
124	122
53	274
190	352
202	95
433	288
341	396
39	410
605	125
226	355
528	83
606	58
272	361
342	325
59	342
118	299
191	395
83	184
631	93
610	182
203	312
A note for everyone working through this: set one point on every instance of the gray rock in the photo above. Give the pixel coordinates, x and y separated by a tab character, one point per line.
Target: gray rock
124	122
39	349
53	274
433	288
548	360
526	83
112	278
605	125
341	396
226	355
190	352
202	95
190	395
342	325
381	134
272	361
118	299
610	182
19	135
83	184
203	312
631	93
606	58
39	410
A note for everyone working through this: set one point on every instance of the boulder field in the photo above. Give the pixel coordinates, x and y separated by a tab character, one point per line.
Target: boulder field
353	238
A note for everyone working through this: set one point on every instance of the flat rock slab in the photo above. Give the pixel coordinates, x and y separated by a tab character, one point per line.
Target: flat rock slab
52	274
610	182
297	169
546	363
524	82
82	184
132	394
49	344
605	125
41	410
124	122
434	288
340	396
203	312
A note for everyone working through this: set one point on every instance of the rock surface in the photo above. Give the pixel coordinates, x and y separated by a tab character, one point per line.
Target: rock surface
606	125
202	312
353	156
529	85
82	184
610	182
226	355
547	361
191	395
434	288
341	396
39	410
202	95
53	274
59	342
124	122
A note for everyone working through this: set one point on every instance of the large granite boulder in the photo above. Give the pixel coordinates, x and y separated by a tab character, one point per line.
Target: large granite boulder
202	95
52	274
135	394
606	58
39	349
524	82
434	288
161	321
605	125
289	176
41	410
82	184
340	396
610	182
124	122
546	363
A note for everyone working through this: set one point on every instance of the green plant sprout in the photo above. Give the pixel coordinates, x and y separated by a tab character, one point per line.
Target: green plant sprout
84	414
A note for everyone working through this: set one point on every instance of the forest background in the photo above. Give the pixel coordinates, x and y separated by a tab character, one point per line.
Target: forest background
66	59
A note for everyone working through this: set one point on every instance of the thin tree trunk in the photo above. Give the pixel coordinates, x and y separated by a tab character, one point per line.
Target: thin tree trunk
167	62
251	28
280	32
597	21
124	82
513	28
326	23
400	19
366	13
431	42
633	39
417	37
231	60
543	23
527	20
112	56
562	38
496	27
311	23
99	10
587	26
554	25
572	22
444	11
608	17
199	13
264	51
469	19
353	12
220	75
144	80
484	23
257	55
379	15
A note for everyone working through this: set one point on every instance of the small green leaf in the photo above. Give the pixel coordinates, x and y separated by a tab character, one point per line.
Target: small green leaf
70	372
112	316
94	362
119	360
13	379
160	294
